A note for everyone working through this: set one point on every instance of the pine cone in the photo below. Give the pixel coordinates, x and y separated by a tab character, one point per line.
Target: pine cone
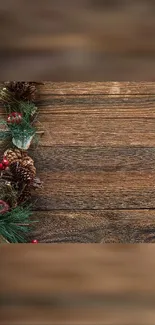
25	91
21	174
18	156
19	153
13	155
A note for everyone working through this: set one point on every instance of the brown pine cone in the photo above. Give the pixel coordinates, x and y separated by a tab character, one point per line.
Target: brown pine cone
25	91
11	155
19	153
21	174
18	156
29	163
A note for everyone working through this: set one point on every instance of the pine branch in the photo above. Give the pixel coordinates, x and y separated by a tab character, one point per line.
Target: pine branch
18	100
15	224
3	240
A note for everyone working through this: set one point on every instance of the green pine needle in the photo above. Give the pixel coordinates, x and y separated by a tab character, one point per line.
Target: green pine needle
15	224
19	131
28	109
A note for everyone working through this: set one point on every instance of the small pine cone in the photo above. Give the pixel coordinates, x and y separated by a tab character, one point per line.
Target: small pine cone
25	91
21	174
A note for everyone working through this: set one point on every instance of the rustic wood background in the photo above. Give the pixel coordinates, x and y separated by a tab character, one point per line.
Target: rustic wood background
77	40
97	161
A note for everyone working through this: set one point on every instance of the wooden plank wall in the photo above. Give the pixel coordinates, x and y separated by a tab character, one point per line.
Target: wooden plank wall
97	162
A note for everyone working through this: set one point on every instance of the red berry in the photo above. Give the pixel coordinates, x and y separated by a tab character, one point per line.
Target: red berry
5	162
1	166
34	241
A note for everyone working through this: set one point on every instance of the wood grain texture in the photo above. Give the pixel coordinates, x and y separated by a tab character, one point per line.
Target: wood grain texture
124	226
96	190
93	159
108	106
87	88
95	130
97	162
98	114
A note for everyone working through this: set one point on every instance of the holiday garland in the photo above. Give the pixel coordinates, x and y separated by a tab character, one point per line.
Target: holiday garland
17	171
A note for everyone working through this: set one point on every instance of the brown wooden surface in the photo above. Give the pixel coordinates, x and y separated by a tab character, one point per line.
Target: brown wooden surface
77	40
97	162
77	284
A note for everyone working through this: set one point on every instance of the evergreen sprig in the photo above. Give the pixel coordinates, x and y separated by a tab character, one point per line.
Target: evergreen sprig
23	130
15	224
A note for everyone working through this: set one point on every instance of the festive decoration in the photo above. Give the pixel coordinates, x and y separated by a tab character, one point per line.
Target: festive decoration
20	124
34	241
23	143
14	118
17	171
23	91
21	164
15	224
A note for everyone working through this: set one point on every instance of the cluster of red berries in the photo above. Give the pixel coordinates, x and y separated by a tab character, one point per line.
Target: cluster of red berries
4	164
14	118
